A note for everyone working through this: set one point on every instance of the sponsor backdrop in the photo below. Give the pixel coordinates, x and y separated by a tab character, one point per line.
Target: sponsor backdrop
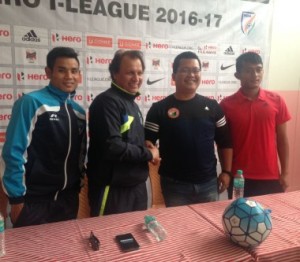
217	30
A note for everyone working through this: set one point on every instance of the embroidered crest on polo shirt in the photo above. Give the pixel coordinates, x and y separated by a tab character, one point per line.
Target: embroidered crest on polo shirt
173	112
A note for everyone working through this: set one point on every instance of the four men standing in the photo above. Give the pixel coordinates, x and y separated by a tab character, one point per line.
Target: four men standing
41	176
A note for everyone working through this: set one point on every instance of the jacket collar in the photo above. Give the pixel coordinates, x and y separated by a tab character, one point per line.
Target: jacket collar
124	92
59	93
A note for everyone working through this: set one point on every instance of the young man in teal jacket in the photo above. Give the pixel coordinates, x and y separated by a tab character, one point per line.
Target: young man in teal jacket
43	155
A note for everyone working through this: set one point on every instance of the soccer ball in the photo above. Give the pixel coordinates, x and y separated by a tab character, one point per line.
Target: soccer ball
246	222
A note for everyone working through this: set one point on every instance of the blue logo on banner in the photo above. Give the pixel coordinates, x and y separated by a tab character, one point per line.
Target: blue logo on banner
247	22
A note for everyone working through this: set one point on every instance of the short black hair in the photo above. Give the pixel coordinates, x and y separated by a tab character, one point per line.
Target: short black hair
248	57
60	51
114	66
184	55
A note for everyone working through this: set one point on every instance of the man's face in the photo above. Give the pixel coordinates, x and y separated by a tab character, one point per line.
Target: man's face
188	76
251	75
130	75
65	74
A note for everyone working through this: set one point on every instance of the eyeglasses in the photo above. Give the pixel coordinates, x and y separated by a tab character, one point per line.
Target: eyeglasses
187	70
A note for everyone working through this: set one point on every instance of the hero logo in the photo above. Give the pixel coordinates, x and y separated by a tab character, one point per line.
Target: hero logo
90	97
6	96
208	82
156	98
4	33
21	76
97	60
5	117
5	76
208	49
150	45
66	38
78	97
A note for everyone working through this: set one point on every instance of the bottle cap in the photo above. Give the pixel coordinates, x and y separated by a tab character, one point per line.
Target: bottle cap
239	172
148	219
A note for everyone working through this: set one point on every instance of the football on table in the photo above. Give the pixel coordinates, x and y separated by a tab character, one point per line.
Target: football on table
246	222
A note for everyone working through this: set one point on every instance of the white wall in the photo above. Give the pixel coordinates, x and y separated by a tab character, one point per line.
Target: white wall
284	74
284	70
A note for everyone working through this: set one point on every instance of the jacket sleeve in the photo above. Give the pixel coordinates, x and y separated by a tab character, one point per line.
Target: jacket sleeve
14	155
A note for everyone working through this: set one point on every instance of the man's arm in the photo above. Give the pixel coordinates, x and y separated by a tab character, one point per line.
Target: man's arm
283	153
225	152
18	132
225	157
154	151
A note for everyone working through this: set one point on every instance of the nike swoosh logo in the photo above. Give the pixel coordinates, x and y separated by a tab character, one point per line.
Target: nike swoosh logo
153	82
226	67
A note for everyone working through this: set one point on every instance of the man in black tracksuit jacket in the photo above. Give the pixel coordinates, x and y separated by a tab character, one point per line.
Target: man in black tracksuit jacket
117	166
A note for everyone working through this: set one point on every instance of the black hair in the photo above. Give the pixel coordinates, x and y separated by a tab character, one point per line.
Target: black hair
184	55
249	57
114	66
60	51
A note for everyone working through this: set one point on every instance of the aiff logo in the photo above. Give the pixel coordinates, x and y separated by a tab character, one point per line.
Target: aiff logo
247	22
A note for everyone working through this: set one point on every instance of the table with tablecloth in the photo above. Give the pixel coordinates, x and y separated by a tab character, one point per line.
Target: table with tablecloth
195	233
283	243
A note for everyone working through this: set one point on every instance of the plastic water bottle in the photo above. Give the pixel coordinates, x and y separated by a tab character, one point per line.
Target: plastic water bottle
155	228
2	237
238	185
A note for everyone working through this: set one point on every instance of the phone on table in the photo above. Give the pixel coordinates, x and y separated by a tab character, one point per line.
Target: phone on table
127	242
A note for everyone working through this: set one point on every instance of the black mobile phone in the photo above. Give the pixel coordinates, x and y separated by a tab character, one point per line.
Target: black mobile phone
127	242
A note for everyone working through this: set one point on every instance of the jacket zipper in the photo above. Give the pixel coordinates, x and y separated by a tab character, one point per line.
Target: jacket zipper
68	153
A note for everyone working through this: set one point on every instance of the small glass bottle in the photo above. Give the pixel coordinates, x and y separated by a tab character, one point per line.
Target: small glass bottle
2	236
155	228
238	185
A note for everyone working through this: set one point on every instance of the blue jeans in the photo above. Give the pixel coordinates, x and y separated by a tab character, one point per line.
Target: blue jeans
177	193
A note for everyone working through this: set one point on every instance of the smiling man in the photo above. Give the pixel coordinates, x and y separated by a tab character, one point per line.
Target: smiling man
44	152
187	125
117	156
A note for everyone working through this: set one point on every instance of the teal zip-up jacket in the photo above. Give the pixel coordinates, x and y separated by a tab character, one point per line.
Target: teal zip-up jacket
45	146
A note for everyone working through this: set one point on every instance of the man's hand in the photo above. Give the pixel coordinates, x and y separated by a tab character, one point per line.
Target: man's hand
154	151
284	181
223	182
15	212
